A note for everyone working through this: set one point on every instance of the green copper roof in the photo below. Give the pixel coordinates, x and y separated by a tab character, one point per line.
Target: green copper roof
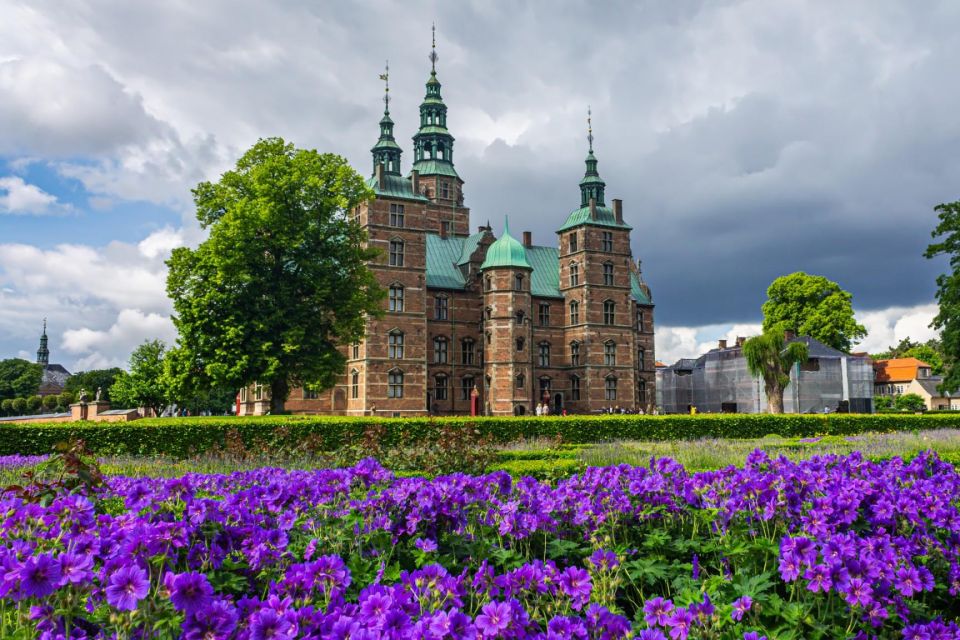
506	252
545	279
442	256
394	186
435	168
469	246
636	290
605	218
435	128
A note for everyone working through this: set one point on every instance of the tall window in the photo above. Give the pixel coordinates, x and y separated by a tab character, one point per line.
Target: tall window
572	239
396	253
610	388
607	241
519	315
487	283
520	343
444	190
466	386
574	387
574	312
396	297
518	282
544	388
466	351
520	381
641	357
356	350
544	354
574	275
355	384
608	274
440	390
441	307
640	319
610	353
575	354
544	315
642	391
396	215
309	394
395	384
395	340
608	311
440	350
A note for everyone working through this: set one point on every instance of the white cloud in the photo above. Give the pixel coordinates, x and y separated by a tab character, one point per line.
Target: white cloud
887	327
161	242
111	347
18	197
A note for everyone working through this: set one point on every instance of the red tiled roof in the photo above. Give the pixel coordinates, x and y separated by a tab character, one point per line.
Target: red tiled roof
898	369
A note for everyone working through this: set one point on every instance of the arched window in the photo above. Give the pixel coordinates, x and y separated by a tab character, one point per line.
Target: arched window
518	282
608	311
610	388
395	384
544	354
520	315
641	357
608	274
574	354
574	312
441	306
396	297
467	351
354	384
396	253
466	386
440	350
488	284
440	388
610	353
574	274
395	341
574	388
520	343
521	381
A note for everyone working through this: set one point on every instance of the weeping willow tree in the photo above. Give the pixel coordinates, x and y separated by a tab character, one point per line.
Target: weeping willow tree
770	356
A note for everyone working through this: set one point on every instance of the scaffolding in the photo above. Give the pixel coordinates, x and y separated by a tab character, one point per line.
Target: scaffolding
719	382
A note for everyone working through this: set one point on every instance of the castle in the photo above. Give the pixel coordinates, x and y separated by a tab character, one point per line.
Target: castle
480	325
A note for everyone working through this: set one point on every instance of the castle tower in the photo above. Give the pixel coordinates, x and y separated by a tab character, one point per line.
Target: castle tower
43	353
507	326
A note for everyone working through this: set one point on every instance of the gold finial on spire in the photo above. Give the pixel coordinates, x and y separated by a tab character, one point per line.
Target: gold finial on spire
433	48
385	76
590	128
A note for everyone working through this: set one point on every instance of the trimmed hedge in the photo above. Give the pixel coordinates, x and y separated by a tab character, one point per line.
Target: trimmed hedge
183	437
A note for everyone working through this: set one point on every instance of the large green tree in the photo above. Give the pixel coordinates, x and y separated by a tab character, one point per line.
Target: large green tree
19	378
281	282
947	321
930	352
92	380
145	385
770	357
812	306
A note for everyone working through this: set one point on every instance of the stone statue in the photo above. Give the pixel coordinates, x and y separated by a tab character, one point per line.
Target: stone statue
99	391
83	395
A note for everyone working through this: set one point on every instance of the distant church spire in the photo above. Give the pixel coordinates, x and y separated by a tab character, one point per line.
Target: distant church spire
43	353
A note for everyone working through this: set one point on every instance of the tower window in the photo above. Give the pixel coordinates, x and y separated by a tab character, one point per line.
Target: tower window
395	384
356	351
520	343
544	315
396	297
606	241
441	307
440	388
355	384
544	354
572	241
518	282
641	357
466	386
396	253
444	186
395	341
574	312
488	284
640	319
396	215
466	351
609	308
440	350
575	354
574	388
574	275
610	353
519	316
608	274
610	388
520	381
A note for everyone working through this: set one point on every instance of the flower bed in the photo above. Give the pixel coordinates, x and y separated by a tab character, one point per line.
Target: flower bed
825	548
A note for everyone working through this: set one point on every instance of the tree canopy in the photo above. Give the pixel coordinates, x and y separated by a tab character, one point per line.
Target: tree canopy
281	282
19	378
769	356
92	380
930	352
813	306
145	385
947	321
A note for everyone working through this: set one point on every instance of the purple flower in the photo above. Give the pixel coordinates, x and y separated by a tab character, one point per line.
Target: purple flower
495	617
269	624
603	560
651	634
426	545
740	607
76	568
753	635
576	584
216	621
696	567
657	611
40	575
679	624
188	591
128	586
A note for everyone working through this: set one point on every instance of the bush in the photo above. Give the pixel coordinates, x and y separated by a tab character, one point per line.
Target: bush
183	437
910	402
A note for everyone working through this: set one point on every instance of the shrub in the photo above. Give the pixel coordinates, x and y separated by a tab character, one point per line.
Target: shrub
910	402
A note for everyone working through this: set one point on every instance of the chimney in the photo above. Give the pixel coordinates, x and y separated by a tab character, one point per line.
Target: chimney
527	239
593	208
380	175
443	229
789	334
740	341
618	210
723	343
415	181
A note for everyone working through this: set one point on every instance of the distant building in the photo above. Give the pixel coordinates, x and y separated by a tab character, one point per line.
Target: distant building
900	376
55	376
719	382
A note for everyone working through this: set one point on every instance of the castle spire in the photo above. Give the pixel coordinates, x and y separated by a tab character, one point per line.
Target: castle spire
386	152
433	144
43	353
592	185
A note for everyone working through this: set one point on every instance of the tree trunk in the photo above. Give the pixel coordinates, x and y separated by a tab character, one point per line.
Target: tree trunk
279	390
774	399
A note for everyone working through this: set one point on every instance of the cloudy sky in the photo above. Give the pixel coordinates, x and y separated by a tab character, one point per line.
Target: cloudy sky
748	139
